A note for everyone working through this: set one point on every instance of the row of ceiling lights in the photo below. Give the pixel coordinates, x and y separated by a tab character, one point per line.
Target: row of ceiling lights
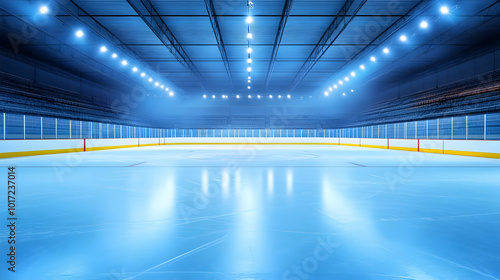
258	96
249	21
403	38
44	10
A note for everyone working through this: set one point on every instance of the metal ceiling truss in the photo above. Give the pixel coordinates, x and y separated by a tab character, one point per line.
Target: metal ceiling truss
150	16
338	25
414	12
277	42
218	36
471	23
18	26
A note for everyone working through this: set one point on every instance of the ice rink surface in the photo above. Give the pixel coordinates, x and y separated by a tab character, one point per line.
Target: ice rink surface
248	212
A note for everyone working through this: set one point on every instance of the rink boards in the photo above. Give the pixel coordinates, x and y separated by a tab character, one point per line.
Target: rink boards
19	148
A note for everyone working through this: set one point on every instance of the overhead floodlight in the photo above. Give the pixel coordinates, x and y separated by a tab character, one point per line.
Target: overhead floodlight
279	96
249	77
270	96
104	49
373	59
171	93
249	19
249	87
335	86
249	50
258	96
166	89
79	33
114	55
403	38
237	96
250	36
44	10
213	96
162	86
249	60
124	62
330	89
249	97
150	80
326	93
135	69
157	84
249	69
386	50
340	82
288	96
343	94
143	74
445	10
249	81
424	24
362	67
204	96
346	79
352	90
353	74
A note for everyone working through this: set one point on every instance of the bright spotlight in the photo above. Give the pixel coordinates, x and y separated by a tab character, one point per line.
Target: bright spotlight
373	59
205	96
424	24
213	96
143	74
343	94
150	80
171	93
270	96
279	96
403	38
162	86
352	90
445	10
114	55
250	36
346	79
288	96
249	87
353	74
124	62
249	77
330	89
386	50
166	89
249	50
237	97
249	19
362	67
249	97
249	69
79	34
340	82
44	10
104	49
335	86
157	84
326	93
249	81
135	69
258	96
249	60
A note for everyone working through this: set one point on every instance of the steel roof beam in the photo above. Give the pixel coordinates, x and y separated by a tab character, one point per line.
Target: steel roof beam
218	36
277	42
337	26
151	17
